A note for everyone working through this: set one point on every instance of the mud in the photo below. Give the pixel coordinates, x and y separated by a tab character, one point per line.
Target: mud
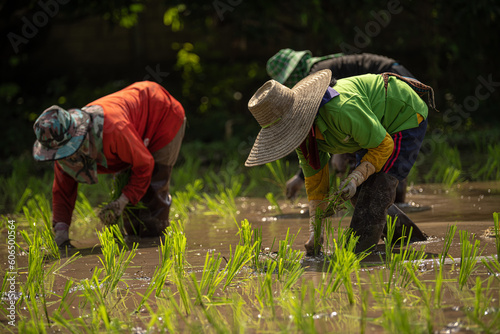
470	206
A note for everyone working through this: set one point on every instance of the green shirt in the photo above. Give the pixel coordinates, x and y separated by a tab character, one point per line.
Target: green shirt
362	114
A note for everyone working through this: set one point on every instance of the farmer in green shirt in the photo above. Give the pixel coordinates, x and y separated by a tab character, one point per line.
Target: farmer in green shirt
380	117
288	67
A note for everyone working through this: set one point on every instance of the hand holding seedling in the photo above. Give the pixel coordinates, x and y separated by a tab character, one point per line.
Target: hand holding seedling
348	186
110	213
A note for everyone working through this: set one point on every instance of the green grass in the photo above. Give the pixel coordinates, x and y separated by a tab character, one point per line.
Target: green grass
490	170
447	165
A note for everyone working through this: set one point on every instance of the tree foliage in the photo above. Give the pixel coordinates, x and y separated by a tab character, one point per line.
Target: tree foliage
218	50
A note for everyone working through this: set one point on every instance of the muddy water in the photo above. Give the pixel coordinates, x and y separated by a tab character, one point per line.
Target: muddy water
469	206
432	208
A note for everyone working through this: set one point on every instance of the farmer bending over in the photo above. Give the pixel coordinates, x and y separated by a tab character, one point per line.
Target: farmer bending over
289	67
379	116
140	129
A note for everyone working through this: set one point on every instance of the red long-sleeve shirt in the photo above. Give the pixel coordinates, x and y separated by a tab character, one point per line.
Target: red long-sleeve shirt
143	110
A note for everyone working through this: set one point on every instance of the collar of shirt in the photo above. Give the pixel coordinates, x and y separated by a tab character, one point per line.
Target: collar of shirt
329	94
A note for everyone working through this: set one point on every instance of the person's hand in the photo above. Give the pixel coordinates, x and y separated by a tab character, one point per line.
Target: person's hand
110	213
316	218
293	186
349	185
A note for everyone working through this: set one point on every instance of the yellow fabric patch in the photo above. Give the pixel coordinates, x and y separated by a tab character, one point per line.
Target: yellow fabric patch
420	118
317	186
318	133
378	156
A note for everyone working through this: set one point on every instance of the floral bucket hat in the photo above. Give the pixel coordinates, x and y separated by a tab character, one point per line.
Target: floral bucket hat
59	133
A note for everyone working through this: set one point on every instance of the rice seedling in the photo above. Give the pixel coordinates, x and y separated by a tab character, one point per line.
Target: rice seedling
492	263
211	314
447	166
183	174
212	277
481	314
84	210
99	309
251	238
99	192
342	263
114	260
257	240
274	202
179	261
227	177
34	289
496	228
164	317
451	176
425	295
242	255
469	257
38	214
245	233
398	315
163	269
182	202
257	182
288	260
266	298
400	265
364	310
317	226
302	307
438	287
240	318
280	170
491	169
224	204
450	234
119	181
63	299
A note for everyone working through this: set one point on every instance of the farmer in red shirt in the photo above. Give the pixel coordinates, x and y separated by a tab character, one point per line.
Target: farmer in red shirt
139	128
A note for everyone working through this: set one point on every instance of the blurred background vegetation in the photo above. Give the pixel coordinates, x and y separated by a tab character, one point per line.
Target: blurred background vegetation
211	56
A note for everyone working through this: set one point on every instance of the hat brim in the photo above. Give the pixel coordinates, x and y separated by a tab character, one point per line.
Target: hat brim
283	137
82	119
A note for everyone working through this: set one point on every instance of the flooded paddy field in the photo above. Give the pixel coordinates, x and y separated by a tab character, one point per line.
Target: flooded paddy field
264	283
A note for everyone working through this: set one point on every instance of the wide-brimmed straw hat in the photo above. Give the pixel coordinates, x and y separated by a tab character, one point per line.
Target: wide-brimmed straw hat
285	115
59	133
